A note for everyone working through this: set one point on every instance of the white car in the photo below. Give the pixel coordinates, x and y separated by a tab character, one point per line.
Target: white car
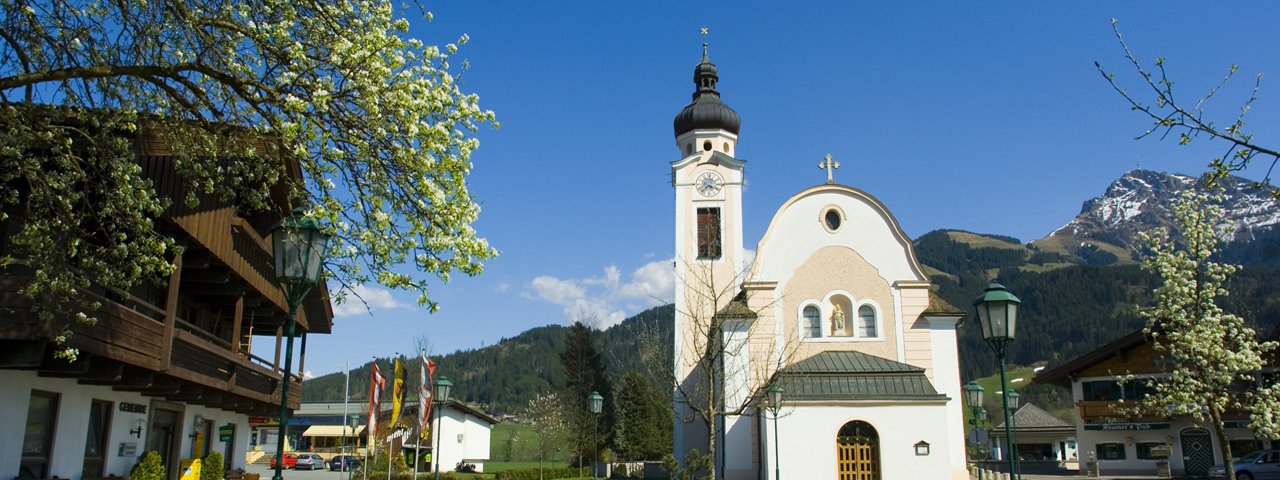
1261	465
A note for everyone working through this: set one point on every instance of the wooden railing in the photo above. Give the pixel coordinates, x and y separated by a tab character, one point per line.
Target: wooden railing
1102	408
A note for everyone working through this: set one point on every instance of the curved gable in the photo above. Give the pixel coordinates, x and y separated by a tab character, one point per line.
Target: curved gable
798	230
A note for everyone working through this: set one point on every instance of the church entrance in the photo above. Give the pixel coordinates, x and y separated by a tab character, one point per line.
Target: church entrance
858	452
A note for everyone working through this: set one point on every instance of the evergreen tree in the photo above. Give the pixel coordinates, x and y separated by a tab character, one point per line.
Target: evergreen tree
584	373
643	416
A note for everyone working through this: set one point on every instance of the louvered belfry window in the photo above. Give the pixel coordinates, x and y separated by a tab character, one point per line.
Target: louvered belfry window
708	233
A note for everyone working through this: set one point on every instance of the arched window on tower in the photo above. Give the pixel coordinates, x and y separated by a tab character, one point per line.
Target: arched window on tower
812	326
866	322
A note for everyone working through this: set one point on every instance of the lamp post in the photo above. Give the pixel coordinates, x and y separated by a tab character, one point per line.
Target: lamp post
1014	398
596	402
998	317
973	398
775	404
443	387
298	245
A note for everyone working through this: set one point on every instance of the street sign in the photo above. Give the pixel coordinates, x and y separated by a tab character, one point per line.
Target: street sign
978	436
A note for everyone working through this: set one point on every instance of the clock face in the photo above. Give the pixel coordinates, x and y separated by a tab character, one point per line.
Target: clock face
709	184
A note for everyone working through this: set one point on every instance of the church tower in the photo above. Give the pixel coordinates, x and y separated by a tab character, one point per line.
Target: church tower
709	258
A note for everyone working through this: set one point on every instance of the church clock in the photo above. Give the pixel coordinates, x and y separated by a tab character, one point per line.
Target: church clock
709	184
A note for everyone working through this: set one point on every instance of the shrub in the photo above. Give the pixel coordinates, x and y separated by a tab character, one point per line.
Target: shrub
546	473
211	467
148	468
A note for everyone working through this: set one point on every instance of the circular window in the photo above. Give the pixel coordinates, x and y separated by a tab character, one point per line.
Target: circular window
832	219
706	145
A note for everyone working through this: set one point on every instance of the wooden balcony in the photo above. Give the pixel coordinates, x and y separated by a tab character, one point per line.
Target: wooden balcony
1101	408
132	348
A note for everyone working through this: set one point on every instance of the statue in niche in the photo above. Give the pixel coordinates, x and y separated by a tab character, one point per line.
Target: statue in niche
837	321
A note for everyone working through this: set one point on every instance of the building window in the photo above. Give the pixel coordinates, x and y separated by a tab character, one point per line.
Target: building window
1110	390
1110	451
866	322
1244	447
706	145
37	439
708	233
832	219
812	326
95	442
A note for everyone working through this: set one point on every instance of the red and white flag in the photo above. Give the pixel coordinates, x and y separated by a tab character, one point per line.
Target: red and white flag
427	374
376	382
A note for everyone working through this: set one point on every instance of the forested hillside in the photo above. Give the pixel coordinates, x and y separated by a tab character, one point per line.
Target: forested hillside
501	378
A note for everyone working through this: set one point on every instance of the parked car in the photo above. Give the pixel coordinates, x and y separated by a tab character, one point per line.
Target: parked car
1261	465
309	461
344	463
290	460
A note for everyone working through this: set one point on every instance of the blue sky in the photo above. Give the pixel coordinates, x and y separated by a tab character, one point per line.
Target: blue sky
987	117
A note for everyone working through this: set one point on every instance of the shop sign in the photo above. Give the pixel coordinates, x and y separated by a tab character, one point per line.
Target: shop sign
1236	423
1110	427
225	432
133	407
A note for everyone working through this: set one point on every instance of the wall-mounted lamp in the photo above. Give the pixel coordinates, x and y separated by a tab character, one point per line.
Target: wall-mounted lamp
137	428
459	438
1128	440
1168	440
922	448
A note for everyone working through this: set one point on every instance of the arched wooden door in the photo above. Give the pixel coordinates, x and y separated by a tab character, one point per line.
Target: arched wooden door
858	452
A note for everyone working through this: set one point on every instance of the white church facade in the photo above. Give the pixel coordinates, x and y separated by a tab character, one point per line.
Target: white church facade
834	308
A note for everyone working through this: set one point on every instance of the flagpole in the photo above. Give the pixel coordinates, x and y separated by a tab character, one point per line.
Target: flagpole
346	397
369	435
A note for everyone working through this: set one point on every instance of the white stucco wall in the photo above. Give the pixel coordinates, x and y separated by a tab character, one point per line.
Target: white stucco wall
72	425
462	437
807	440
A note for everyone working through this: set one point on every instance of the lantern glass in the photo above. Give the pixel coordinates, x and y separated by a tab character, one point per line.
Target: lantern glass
973	394
775	396
1014	399
596	402
443	388
997	313
298	244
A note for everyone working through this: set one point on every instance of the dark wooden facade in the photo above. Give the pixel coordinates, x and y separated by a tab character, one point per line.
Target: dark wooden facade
188	341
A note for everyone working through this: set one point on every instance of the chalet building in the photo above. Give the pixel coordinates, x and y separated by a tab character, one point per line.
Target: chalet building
1113	444
165	368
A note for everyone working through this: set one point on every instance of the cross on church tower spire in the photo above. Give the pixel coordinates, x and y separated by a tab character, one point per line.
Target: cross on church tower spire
829	164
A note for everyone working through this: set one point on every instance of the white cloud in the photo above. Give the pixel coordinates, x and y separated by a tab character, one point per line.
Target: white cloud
306	374
502	287
377	298
607	298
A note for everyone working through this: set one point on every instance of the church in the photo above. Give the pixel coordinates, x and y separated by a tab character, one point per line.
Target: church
834	310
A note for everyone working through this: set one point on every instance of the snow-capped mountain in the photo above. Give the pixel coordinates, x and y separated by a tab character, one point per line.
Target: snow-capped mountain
1142	200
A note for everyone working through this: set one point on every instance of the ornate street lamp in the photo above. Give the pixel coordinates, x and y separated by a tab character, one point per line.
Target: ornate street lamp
973	398
775	404
596	402
298	245
998	317
443	387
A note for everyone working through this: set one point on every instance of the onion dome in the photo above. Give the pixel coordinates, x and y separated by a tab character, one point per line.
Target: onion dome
706	112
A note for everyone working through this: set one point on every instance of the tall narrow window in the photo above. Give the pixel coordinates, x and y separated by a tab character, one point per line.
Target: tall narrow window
708	233
866	322
37	439
95	442
812	327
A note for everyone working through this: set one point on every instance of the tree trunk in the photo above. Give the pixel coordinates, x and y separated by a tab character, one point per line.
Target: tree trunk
1224	445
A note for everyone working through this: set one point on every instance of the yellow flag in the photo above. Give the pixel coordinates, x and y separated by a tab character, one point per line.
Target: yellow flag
397	394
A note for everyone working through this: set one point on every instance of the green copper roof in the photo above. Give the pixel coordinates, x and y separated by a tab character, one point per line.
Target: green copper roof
855	376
